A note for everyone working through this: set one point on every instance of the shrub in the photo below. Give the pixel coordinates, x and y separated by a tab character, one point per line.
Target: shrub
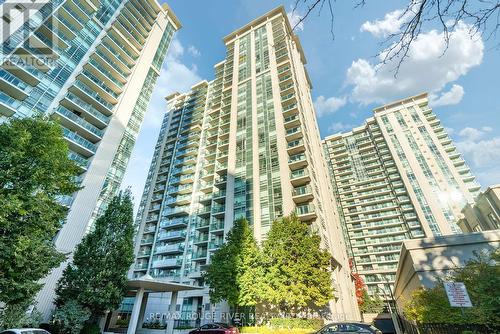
90	328
269	330
296	323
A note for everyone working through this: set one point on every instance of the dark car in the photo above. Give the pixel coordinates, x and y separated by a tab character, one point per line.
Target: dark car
215	328
349	327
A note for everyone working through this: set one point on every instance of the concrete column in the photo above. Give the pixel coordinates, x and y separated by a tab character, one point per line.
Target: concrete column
136	310
171	310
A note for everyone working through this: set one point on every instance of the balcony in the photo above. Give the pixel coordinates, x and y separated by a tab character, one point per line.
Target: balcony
181	189
14	86
202	238
217	227
105	76
202	224
147	241
141	266
201	255
8	105
79	144
299	177
123	50
306	212
80	160
175	262
218	209
295	147
144	253
214	245
297	161
91	99
172	235
176	222
176	211
98	85
169	249
302	194
74	122
291	121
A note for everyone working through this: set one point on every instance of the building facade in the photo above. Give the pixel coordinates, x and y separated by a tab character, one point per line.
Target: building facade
91	65
484	213
424	263
396	177
245	144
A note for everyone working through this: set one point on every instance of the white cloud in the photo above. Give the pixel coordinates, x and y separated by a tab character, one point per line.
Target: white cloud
329	105
175	76
389	25
482	153
428	68
194	51
339	127
453	96
294	18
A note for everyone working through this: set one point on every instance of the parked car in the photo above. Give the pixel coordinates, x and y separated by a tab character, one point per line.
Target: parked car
349	327
215	328
25	331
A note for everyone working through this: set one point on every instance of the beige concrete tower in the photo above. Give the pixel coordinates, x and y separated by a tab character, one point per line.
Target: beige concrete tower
398	176
246	144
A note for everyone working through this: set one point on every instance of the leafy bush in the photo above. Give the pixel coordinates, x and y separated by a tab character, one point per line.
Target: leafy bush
269	330
71	317
296	323
90	328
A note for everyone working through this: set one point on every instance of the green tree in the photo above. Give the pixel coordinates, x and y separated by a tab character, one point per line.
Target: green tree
34	172
235	272
71	317
371	304
97	277
297	271
481	276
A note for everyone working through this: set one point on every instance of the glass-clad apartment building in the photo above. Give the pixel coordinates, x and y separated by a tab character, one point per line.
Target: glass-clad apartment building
245	144
396	177
92	66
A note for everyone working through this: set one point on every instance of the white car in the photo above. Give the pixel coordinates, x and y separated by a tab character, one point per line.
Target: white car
25	331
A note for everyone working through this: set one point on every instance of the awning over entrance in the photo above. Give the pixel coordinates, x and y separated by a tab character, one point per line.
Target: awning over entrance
151	284
143	286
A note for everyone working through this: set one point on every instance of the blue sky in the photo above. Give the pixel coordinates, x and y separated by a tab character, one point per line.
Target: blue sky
347	84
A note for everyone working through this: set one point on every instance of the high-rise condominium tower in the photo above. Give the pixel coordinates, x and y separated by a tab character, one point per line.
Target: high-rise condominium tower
92	65
243	145
398	176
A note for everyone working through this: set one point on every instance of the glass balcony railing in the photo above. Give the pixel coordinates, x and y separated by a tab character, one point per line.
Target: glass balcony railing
87	107
99	83
122	47
80	160
305	209
94	95
105	72
13	80
80	121
12	103
299	173
76	138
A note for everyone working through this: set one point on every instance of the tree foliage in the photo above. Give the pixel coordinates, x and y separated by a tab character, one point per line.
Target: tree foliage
235	273
371	304
290	272
97	277
34	171
481	277
71	317
297	271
